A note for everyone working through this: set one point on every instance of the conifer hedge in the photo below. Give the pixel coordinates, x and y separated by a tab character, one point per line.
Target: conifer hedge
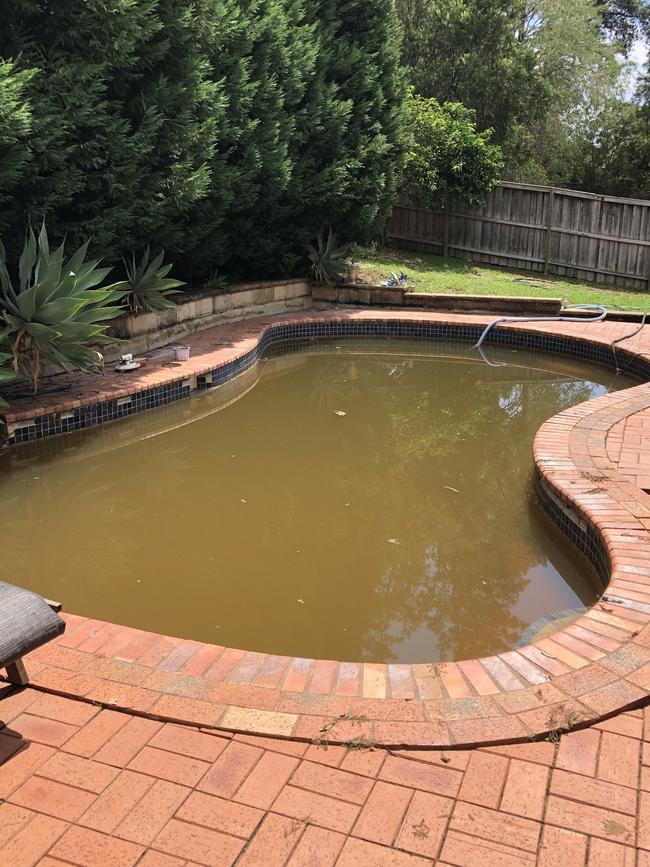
225	131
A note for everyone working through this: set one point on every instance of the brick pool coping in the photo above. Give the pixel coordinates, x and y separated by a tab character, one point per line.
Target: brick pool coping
590	462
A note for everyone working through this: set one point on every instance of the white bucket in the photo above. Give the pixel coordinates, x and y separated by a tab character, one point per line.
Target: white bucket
182	353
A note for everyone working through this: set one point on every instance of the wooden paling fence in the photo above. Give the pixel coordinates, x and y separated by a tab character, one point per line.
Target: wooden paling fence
534	228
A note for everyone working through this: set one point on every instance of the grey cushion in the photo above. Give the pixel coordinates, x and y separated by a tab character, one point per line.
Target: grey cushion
26	622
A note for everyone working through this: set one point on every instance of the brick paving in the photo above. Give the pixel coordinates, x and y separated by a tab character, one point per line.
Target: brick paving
628	446
87	785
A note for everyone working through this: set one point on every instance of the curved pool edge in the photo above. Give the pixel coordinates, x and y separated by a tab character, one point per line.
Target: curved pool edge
596	667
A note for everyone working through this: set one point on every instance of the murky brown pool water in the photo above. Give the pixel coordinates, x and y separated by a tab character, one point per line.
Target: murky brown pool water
368	502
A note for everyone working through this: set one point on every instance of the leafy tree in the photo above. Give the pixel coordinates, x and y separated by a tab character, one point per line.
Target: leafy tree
368	77
623	21
613	156
594	138
338	115
473	51
281	61
577	65
448	157
533	70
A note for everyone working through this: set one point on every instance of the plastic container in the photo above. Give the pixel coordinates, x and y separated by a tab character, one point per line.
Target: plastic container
182	352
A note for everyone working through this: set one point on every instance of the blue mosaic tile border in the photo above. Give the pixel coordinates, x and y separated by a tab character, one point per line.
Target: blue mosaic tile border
583	535
292	335
97	413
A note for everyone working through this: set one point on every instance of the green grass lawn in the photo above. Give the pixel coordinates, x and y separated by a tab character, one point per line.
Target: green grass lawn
429	273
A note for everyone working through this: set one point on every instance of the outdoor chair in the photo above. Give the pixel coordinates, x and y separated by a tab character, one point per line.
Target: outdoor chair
26	622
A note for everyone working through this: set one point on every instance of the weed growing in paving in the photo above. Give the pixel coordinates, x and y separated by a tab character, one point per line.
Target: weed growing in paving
561	719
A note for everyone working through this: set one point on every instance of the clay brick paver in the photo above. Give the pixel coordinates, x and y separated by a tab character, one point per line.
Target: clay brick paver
214	798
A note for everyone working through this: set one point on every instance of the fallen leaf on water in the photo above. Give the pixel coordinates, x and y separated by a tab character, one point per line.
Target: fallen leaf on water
338	412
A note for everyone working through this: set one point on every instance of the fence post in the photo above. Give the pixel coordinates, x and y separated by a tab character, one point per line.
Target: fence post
549	225
599	214
445	228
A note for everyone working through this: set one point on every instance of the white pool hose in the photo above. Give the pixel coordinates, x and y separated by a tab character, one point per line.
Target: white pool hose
602	313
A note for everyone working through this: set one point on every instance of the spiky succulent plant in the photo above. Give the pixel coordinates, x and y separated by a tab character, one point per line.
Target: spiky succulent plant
328	261
7	374
56	307
149	287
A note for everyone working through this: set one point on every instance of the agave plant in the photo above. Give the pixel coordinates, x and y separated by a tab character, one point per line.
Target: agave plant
149	287
55	309
7	374
328	262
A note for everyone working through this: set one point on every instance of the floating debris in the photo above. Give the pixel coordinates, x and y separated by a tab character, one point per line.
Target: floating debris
302	601
394	541
449	488
339	412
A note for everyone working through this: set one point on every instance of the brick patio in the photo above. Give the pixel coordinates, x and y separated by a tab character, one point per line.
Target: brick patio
87	785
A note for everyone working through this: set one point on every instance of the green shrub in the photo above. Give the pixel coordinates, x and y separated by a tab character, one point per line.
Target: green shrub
123	120
447	156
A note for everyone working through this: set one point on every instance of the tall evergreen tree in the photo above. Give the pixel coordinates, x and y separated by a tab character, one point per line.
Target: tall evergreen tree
282	60
16	127
123	119
315	135
225	131
367	71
